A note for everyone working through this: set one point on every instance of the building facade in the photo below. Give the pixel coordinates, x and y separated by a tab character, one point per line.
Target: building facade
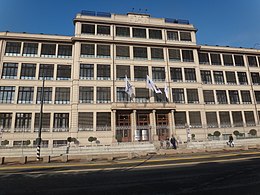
213	91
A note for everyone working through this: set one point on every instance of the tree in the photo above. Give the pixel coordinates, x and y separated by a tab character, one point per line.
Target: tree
5	142
92	139
217	133
253	132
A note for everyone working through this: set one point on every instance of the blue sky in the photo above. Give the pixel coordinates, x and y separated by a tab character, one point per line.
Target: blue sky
219	22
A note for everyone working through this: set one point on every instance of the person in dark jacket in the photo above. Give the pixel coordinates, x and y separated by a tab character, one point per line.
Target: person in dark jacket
231	141
173	142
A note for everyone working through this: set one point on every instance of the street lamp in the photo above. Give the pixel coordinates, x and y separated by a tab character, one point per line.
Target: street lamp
39	139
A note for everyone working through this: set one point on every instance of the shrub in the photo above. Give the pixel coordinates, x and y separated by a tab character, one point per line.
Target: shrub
217	133
252	132
119	137
69	139
5	142
236	133
91	139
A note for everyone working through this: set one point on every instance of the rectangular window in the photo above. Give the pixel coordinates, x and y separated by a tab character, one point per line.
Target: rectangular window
206	76
62	95
195	119
237	118
239	60
252	61
64	51
13	48
250	118
9	71
192	96
215	59
176	74
190	75
140	72
121	95
103	51
30	49
203	58
231	78
180	120
208	96
155	34
7	94
86	94
5	121
255	78
103	121
228	60
103	95
246	97
174	55
187	56
158	73
88	29
185	36
23	121
139	33
172	35
46	121
242	78
142	95
25	95
218	77
257	96
85	121
103	72
47	98
46	71
211	118
123	31
221	96
86	71
87	51
59	143
122	71
48	50
159	97
178	96
224	118
61	122
157	54
28	71
103	30
140	52
63	72
122	52
233	97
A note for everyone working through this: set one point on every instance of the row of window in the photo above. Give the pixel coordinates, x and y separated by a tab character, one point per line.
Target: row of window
228	59
33	49
135	32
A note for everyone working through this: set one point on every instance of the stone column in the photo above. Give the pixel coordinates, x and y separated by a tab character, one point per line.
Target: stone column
133	125
113	126
154	136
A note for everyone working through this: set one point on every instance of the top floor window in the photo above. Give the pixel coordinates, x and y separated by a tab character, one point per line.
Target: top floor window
155	34
252	61
64	51
123	31
215	59
48	50
30	49
187	56
239	60
103	30
13	48
139	33
185	36
203	58
228	60
88	29
172	35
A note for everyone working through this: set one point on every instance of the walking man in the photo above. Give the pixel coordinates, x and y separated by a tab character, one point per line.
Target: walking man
174	142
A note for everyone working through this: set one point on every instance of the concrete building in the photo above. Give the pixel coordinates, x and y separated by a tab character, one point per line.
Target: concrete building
213	90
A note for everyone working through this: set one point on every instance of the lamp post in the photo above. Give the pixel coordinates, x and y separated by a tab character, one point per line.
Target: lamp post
39	139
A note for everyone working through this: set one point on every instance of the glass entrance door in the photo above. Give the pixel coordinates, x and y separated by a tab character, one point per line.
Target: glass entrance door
123	127
142	132
162	126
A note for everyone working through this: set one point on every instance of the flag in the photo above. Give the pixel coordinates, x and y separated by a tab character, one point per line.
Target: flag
166	91
150	85
128	87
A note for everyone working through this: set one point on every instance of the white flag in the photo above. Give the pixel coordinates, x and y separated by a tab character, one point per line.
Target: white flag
128	87
166	91
150	85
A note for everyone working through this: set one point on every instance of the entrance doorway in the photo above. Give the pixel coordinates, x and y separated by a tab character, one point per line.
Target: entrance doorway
142	132
123	127
162	126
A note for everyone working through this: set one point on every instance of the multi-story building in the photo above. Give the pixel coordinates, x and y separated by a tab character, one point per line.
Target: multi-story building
212	89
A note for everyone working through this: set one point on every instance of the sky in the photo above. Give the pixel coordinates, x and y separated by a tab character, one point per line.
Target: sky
219	22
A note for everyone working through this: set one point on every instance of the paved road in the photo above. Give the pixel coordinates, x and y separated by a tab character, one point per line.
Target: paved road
232	173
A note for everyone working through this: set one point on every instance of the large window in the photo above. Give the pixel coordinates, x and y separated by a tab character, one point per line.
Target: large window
176	74
252	61
46	121
233	97
228	60
88	29
48	50
61	122
122	51
103	30
121	95
47	98
158	73
103	95
174	55
25	95
208	96
9	71
87	51
180	119
30	49
64	72
242	78
86	94
64	51
221	96
103	72
224	118
172	35
86	71
178	96
103	51
123	31
185	36
195	119
190	75
215	59
239	60
5	120
140	72
192	96
103	121
157	54
237	118
122	71
28	71
140	52
142	95
250	118
255	78
231	78
46	71
218	77
13	48
211	118
139	33
7	94
85	121
257	97
187	55
23	121
159	97
62	95
206	76
246	97
203	58
155	34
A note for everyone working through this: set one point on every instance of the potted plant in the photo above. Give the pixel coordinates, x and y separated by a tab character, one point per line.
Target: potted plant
92	139
193	136
5	142
119	138
216	134
253	132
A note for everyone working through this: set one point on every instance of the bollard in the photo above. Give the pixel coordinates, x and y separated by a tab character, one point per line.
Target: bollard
2	161
23	160
47	159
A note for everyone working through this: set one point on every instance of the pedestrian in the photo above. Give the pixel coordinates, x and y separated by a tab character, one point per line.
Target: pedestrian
167	143
174	142
230	141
